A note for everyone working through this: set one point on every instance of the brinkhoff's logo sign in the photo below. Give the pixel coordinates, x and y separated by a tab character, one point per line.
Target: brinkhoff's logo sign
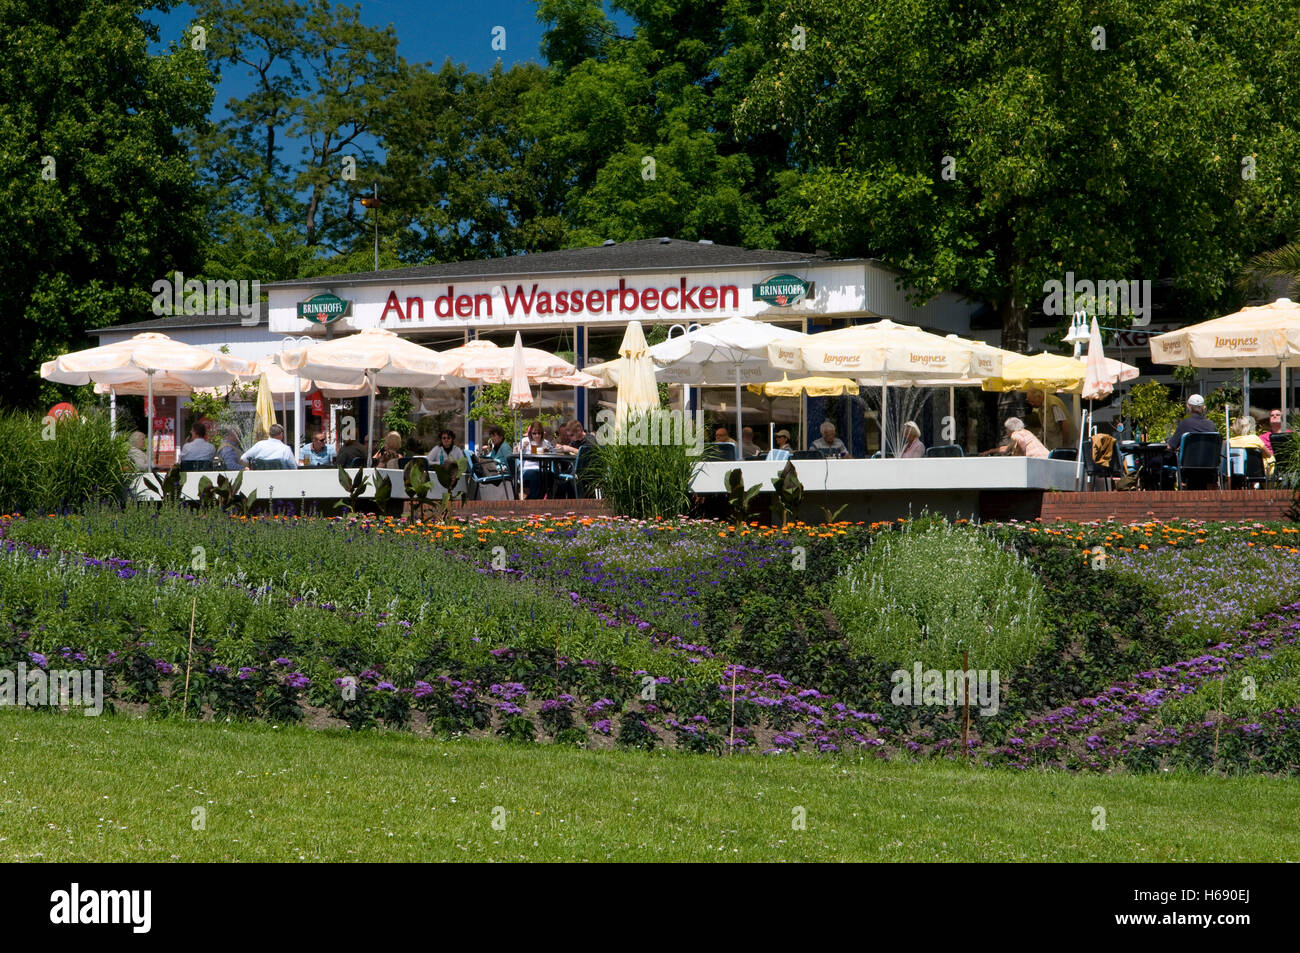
323	308
784	291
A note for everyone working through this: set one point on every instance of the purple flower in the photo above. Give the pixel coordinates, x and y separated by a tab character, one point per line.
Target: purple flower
38	659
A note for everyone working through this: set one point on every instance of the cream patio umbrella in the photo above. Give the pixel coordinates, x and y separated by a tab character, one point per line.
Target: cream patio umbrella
138	359
889	354
1265	335
388	359
483	362
520	394
734	351
637	389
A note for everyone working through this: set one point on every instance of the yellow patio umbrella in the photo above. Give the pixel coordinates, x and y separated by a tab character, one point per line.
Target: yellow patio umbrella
812	386
1054	372
265	407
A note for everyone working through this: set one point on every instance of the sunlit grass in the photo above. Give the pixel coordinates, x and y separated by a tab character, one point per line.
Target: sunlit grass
113	788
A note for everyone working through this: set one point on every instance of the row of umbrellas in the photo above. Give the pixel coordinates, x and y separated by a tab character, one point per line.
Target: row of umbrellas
736	351
153	363
740	351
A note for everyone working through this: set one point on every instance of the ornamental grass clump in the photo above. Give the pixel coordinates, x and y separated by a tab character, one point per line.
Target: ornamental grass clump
927	595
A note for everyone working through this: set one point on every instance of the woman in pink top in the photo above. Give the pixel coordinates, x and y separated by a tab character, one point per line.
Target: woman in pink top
912	446
1022	442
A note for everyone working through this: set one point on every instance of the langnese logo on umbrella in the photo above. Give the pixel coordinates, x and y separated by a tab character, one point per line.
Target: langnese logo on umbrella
323	308
784	291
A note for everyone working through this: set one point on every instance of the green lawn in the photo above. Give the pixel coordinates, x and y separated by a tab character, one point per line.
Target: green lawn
114	788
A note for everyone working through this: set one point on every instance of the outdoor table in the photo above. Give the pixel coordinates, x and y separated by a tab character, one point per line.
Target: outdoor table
1151	459
548	462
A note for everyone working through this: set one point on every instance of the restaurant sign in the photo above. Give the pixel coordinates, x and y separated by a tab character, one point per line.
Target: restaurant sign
323	308
784	291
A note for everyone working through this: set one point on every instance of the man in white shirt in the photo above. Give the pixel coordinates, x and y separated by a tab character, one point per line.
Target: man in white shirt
272	452
198	450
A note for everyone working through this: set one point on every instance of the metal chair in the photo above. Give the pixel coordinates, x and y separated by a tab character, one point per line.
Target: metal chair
1064	453
1094	471
948	450
724	451
1201	454
806	455
573	481
189	466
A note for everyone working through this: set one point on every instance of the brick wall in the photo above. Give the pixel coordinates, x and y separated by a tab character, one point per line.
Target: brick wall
1167	505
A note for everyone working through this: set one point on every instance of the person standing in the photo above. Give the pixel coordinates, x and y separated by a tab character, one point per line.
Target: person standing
1059	430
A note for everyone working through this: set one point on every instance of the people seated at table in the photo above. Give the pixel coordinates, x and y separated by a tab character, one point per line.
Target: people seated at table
271	453
386	457
496	448
446	449
912	446
1021	442
137	452
351	453
722	435
197	450
316	452
228	452
1276	425
531	475
829	445
1051	410
1194	422
747	446
575	437
782	450
1244	438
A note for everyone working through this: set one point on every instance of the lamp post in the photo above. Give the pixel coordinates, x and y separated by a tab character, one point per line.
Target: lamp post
372	202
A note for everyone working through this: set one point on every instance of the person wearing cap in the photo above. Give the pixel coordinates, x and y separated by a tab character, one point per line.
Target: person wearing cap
1194	422
912	446
782	450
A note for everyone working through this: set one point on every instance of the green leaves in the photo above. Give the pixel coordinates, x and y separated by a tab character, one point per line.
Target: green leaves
739	498
788	495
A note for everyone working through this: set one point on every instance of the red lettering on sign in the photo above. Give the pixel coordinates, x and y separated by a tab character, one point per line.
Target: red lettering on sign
595	302
649	299
392	304
464	306
524	304
708	297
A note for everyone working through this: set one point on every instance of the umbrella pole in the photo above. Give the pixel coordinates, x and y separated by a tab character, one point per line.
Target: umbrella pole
1085	424
884	418
112	410
740	441
153	459
1282	369
370	422
952	413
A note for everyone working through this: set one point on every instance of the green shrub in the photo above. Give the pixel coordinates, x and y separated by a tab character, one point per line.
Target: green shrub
926	595
643	482
82	463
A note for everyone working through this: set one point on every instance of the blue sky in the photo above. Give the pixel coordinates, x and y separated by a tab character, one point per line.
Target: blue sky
427	31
